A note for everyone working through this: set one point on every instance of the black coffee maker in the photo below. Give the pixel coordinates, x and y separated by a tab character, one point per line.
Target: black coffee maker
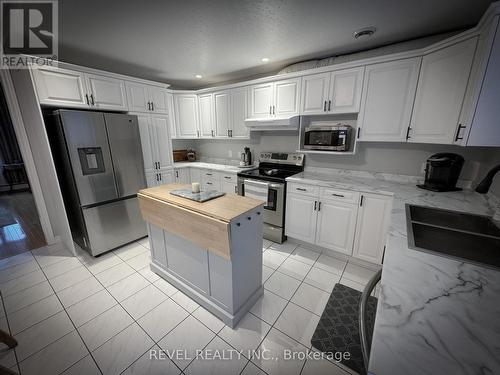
442	171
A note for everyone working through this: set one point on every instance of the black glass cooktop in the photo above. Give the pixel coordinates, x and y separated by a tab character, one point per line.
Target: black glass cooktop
269	174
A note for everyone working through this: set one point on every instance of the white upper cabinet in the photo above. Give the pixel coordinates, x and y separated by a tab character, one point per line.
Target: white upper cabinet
286	97
372	227
159	98
186	115
239	112
206	118
147	98
147	145
261	100
60	87
485	130
345	90
335	92
315	90
106	92
388	94
275	99
441	89
222	111
138	97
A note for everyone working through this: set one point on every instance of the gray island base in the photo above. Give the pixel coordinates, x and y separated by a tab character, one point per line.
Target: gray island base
211	251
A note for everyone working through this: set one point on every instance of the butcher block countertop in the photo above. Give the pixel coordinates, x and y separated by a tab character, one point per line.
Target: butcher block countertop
225	208
207	224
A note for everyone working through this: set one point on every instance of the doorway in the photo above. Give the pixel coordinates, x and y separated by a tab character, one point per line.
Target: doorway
20	228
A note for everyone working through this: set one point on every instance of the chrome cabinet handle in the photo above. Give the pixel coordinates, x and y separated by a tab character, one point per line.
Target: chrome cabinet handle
324	107
209	183
359	131
315	205
408	133
361	201
338	195
212	132
329	105
208	174
149	106
301	189
319	206
92	99
160	176
270	110
274	110
152	106
227	177
87	98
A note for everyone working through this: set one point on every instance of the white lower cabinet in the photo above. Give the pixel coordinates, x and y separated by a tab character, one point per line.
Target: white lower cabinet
210	180
301	217
228	183
372	227
182	176
343	221
336	225
160	177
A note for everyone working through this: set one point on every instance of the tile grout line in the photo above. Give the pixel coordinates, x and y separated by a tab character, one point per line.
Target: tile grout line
76	329
10	332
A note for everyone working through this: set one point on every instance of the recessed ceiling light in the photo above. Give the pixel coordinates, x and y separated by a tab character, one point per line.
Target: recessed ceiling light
199	76
364	33
265	59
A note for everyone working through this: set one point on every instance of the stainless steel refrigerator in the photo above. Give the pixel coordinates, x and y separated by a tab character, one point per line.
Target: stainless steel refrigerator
100	168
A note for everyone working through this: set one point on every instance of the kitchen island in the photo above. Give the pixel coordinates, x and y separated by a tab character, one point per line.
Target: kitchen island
211	251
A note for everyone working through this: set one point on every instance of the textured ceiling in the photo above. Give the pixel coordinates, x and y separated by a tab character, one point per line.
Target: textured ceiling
224	40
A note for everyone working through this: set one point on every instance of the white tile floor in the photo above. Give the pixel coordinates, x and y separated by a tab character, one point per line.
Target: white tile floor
85	315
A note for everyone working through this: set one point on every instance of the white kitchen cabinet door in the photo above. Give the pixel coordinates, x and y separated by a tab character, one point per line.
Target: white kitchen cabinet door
261	100
301	217
205	106
107	93
186	115
137	97
210	180
286	97
195	174
166	177
60	87
158	97
372	227
161	140
239	112
315	94
388	93
441	89
148	149
182	176
152	179
222	113
229	183
336	226
345	90
172	123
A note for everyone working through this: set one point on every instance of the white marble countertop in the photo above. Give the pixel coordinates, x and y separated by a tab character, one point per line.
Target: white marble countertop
210	166
435	315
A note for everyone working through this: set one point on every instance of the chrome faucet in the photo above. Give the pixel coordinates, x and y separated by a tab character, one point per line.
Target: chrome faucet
485	184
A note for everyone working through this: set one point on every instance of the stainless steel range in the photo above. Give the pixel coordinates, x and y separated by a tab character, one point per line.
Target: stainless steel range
268	183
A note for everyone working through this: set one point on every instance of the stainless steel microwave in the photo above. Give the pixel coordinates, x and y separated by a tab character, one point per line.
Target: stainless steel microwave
328	138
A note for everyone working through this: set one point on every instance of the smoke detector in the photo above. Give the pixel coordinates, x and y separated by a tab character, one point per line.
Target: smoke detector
364	33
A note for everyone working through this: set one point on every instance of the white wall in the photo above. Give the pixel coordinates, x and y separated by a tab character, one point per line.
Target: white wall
42	156
396	158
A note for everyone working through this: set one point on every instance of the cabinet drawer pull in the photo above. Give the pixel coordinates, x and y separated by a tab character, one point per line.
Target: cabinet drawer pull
208	174
457	137
209	183
319	206
227	177
315	205
87	98
152	106
338	195
301	189
270	109
329	105
324	107
361	202
92	99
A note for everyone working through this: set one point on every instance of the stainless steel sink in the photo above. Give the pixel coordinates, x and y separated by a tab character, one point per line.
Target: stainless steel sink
468	237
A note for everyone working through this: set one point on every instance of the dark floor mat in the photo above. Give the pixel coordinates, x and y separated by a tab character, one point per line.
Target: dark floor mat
338	328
